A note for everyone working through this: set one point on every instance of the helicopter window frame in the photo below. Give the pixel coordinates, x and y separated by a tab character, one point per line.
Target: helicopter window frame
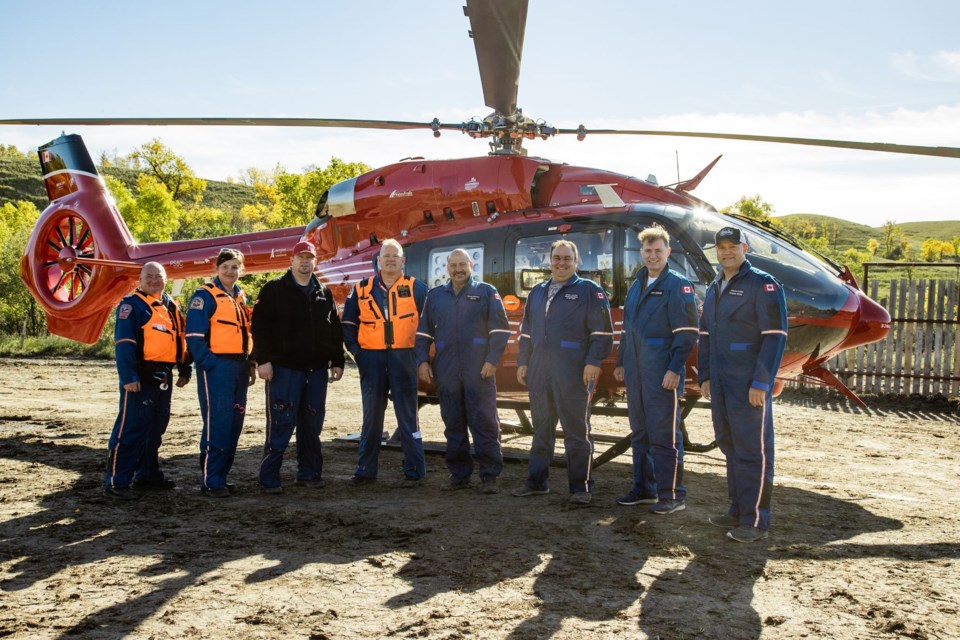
686	256
597	264
437	259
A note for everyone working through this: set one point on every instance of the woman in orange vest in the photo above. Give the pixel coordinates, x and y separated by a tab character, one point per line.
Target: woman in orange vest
220	341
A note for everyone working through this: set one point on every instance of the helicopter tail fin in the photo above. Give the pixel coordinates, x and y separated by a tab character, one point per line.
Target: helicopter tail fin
75	263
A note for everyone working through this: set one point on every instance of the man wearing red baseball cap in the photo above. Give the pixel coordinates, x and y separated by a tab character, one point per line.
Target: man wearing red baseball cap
299	345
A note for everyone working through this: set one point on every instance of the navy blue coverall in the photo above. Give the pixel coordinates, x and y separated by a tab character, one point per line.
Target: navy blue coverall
743	332
555	347
222	389
659	332
469	329
297	331
143	415
383	371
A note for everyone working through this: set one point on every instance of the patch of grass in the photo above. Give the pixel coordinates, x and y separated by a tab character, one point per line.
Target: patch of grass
47	346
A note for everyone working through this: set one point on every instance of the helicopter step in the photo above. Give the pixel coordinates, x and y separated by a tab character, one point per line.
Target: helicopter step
619	444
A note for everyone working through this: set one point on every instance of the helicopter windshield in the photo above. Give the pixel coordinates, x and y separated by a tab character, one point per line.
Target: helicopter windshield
814	286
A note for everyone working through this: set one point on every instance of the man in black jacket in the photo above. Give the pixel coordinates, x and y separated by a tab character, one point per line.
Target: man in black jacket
299	345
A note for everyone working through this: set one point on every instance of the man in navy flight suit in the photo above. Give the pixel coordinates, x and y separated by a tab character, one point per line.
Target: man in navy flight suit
743	332
149	342
468	324
565	335
659	331
299	350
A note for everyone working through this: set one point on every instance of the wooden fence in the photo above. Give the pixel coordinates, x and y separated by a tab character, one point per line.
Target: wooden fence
920	353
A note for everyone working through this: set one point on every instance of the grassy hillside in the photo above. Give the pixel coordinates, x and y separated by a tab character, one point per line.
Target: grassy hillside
21	180
853	235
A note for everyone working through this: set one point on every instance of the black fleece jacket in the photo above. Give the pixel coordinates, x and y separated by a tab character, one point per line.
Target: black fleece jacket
293	332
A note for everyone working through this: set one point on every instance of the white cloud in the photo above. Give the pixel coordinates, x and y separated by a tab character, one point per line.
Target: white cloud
942	66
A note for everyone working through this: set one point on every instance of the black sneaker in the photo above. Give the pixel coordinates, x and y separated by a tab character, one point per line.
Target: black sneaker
456	485
271	491
360	481
315	483
154	485
410	483
219	492
120	493
725	520
525	490
664	507
746	533
634	498
489	486
579	499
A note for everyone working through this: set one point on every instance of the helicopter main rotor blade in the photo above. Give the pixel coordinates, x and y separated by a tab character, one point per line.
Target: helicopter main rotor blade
497	27
238	122
943	152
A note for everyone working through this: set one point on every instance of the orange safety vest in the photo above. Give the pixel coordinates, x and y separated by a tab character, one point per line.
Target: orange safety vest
229	333
163	333
399	329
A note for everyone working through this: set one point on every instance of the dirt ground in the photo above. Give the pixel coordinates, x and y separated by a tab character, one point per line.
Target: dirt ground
865	540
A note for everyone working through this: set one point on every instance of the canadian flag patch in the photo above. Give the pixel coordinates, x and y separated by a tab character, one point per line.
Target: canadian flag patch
687	289
769	287
599	295
496	296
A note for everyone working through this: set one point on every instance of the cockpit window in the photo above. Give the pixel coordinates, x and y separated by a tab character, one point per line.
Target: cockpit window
532	259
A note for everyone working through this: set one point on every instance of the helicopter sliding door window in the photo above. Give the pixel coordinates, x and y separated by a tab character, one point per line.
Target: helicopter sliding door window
679	259
532	258
437	263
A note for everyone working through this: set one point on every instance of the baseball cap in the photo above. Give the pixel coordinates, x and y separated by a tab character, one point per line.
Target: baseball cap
729	234
305	247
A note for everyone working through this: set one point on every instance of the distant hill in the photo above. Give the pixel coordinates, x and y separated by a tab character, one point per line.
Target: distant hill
21	180
854	235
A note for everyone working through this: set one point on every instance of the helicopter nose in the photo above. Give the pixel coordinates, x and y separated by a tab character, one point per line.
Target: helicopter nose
873	325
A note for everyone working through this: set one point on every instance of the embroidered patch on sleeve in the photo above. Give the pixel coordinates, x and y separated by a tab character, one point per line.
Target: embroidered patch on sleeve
600	295
124	312
769	287
687	289
196	303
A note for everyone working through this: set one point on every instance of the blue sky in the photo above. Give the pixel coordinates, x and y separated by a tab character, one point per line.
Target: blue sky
887	71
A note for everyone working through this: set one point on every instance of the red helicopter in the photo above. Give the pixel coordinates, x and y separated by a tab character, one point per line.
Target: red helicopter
506	208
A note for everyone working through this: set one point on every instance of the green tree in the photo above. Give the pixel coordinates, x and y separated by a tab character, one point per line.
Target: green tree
894	242
153	215
297	194
752	207
171	170
11	152
934	250
16	222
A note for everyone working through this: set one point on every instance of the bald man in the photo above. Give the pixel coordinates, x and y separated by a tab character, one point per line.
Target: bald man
149	344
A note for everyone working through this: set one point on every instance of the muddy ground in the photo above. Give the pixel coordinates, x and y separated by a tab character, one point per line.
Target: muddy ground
865	541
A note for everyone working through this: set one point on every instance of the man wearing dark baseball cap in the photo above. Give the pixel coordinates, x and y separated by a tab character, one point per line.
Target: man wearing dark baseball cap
743	332
299	345
730	234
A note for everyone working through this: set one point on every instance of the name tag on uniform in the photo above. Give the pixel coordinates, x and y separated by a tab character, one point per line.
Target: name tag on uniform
656	293
572	296
403	291
473	298
736	292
